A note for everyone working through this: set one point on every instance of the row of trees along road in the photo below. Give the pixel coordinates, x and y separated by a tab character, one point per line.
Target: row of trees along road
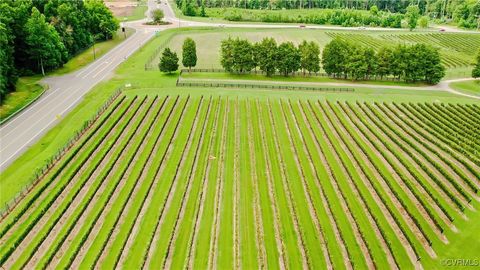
36	36
340	59
411	63
239	55
169	59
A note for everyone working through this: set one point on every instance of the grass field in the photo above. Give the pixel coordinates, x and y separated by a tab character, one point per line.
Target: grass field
456	56
233	178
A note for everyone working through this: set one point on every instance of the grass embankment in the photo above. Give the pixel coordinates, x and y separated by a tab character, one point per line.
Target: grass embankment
29	88
469	87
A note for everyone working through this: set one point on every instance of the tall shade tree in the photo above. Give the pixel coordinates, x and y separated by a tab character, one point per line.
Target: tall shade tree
334	57
226	54
45	45
432	67
5	61
384	60
189	53
288	58
266	55
371	62
168	61
476	68
157	15
101	19
310	56
243	55
413	14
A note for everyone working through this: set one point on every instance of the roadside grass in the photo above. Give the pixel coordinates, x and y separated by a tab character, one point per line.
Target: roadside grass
86	57
27	89
468	87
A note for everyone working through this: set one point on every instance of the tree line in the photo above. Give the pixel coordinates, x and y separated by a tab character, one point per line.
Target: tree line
240	55
36	36
463	12
340	59
411	63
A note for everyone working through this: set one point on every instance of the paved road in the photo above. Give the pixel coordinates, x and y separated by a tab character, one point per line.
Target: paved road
67	91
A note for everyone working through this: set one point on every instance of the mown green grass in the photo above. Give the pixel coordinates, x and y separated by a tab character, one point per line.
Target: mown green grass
470	87
27	89
228	77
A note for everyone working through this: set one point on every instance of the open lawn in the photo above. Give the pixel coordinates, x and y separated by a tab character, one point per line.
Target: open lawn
275	179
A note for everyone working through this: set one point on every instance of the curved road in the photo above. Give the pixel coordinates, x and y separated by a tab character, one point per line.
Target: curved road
65	92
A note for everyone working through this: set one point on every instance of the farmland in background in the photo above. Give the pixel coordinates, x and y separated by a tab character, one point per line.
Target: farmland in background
240	182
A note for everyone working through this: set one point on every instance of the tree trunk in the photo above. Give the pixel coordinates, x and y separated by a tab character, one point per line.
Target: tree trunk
41	66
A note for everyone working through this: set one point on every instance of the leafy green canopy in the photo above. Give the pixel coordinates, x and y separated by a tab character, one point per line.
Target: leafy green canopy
36	34
413	63
168	61
239	55
476	68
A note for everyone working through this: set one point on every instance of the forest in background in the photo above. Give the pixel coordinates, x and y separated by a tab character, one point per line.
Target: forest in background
41	35
465	13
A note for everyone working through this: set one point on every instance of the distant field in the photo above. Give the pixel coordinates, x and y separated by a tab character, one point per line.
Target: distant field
225	182
456	48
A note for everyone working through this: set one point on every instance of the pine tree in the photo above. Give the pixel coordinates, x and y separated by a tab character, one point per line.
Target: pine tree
189	53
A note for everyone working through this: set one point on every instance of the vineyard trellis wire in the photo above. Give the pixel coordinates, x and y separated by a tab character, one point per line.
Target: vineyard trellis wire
263	86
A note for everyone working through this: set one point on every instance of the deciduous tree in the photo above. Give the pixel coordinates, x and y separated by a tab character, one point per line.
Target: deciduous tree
45	45
267	53
412	15
288	58
168	61
476	68
310	56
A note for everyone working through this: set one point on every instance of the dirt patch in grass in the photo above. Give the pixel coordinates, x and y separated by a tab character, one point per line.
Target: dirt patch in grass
122	8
